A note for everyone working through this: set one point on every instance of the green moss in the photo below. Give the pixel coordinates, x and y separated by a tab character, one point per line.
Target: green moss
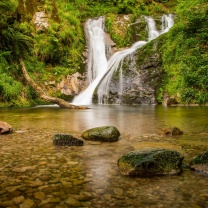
150	162
200	159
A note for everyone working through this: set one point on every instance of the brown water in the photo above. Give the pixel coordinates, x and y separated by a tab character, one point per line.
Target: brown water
34	173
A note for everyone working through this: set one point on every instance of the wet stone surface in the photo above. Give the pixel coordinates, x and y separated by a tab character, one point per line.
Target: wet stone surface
35	173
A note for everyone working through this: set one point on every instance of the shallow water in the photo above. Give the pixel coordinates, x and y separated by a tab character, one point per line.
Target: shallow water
35	173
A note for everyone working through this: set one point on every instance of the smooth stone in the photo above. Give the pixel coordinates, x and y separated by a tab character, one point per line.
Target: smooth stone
72	202
18	200
5	128
172	131
101	134
39	195
28	203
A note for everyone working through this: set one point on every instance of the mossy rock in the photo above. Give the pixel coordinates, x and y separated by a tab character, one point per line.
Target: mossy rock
102	134
66	140
147	163
200	162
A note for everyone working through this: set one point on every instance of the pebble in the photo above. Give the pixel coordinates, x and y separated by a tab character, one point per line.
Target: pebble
28	203
34	173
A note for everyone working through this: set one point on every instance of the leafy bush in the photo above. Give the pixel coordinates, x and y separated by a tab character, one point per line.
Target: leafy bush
185	56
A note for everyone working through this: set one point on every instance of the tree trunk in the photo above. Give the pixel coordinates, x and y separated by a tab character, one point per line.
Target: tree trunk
43	95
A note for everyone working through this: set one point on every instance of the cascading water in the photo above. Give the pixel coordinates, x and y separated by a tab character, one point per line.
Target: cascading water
101	69
114	63
97	61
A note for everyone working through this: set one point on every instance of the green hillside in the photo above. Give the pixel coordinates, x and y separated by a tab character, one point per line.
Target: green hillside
53	52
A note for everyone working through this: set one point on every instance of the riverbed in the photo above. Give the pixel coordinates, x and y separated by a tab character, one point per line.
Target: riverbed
35	173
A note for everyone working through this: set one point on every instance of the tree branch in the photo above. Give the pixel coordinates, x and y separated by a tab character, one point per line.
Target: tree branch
43	95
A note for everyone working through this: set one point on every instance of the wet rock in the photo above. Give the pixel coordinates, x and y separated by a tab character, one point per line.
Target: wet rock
5	128
28	203
167	100
72	202
172	131
85	196
200	162
18	200
141	77
66	140
50	201
39	195
102	134
150	163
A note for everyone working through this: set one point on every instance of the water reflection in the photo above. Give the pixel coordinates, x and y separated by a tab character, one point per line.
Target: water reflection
33	169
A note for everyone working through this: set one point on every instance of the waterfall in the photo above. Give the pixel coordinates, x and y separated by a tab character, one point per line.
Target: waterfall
152	31
101	69
114	63
167	23
97	61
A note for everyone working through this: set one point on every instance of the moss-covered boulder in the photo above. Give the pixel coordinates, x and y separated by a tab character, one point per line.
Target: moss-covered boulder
66	140
200	162
102	134
150	163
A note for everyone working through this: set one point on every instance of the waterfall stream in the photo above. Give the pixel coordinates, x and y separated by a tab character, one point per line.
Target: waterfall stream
100	71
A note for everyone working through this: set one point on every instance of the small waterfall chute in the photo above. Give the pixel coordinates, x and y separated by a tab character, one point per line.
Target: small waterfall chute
97	61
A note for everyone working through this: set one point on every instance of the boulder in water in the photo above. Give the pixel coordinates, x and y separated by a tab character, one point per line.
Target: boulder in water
200	162
66	140
150	163
102	134
172	131
5	128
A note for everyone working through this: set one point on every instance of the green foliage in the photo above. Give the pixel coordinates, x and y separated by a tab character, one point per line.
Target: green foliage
185	56
57	50
9	88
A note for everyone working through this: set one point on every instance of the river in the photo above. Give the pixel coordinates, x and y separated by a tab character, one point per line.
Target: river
35	173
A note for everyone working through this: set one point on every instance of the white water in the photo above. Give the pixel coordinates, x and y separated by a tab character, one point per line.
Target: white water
97	61
99	67
114	63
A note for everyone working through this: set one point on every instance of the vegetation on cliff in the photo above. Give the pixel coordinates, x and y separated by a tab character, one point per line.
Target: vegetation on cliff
185	54
54	52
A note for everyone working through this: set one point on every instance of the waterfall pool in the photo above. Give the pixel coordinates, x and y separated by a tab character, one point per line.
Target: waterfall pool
35	173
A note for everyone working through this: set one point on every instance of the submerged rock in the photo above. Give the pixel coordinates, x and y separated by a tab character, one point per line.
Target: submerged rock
5	128
172	131
66	140
102	134
150	163
200	162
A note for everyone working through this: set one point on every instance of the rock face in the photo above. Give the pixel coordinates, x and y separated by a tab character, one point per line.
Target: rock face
150	163
40	20
102	134
200	162
72	85
5	128
141	77
66	140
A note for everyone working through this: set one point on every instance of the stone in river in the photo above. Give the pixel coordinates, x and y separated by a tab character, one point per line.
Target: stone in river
172	131
102	134
200	162
146	163
5	128
66	140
